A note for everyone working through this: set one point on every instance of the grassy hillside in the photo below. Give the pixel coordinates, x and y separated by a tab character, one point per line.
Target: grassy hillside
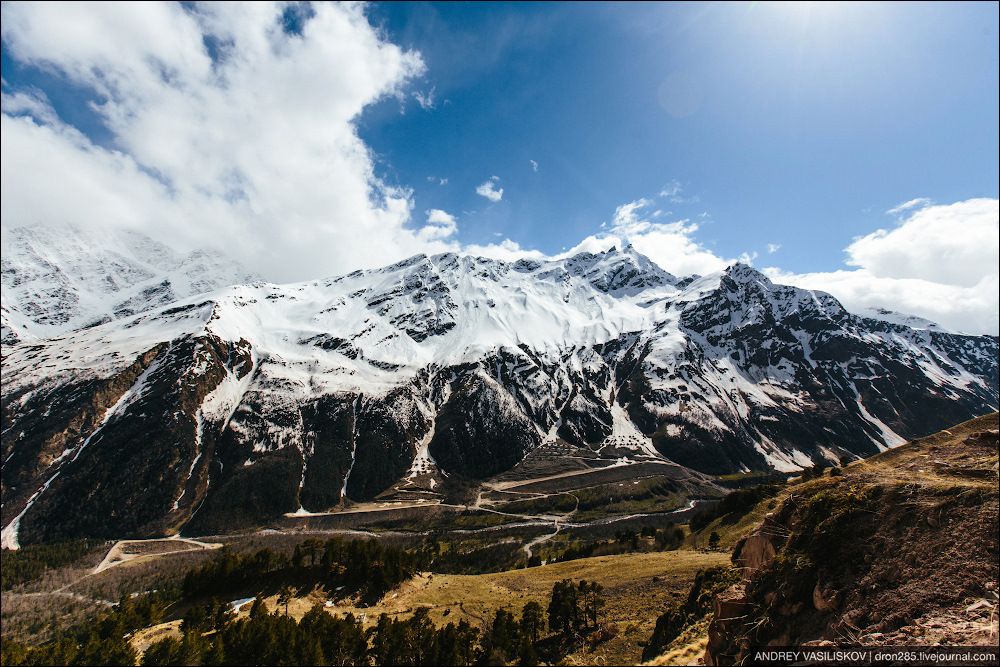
901	548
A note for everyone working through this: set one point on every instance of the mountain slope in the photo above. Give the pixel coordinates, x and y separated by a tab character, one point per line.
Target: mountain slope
56	279
229	409
891	551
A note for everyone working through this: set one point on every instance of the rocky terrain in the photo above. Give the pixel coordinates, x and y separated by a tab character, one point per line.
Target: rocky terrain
61	278
233	408
900	549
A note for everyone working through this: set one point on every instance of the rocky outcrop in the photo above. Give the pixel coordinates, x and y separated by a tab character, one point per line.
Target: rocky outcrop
873	556
756	551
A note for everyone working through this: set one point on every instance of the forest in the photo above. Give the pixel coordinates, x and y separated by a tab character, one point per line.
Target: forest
211	633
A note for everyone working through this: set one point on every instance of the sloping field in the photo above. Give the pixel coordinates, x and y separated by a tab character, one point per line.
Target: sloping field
637	588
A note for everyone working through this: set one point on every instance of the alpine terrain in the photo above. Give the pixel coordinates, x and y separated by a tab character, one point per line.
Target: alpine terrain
60	278
157	410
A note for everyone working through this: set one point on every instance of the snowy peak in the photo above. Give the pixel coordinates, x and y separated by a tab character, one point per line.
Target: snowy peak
619	272
60	278
312	393
743	300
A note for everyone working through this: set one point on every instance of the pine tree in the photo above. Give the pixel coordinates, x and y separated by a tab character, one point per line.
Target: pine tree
216	653
284	597
527	655
531	620
258	609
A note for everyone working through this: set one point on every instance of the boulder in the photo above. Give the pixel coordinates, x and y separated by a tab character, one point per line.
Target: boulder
729	609
758	549
825	598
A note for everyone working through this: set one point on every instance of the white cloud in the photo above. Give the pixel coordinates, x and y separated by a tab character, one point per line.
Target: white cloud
534	165
426	102
506	250
669	244
920	202
672	189
34	104
955	244
444	181
489	190
255	152
941	263
672	192
440	225
773	248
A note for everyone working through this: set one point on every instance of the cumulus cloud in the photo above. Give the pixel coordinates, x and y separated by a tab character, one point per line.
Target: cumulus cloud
773	248
440	225
940	263
249	145
506	250
955	244
670	244
34	103
489	189
534	165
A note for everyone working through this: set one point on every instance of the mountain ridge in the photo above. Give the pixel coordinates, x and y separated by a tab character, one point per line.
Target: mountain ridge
449	366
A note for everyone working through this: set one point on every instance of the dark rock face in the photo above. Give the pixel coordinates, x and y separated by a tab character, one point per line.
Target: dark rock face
127	454
586	421
251	495
480	431
388	430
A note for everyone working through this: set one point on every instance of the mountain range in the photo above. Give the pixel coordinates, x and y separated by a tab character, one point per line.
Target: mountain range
147	392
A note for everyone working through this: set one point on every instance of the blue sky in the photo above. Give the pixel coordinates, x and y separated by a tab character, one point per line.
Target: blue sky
312	139
812	123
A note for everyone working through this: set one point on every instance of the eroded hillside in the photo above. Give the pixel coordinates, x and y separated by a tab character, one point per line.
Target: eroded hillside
901	548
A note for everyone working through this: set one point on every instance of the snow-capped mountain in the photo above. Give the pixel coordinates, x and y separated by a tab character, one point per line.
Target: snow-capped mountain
228	409
61	278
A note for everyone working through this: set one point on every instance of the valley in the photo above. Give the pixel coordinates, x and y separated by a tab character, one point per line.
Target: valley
641	576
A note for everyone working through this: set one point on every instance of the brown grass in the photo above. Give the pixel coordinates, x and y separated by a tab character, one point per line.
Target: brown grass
634	599
942	459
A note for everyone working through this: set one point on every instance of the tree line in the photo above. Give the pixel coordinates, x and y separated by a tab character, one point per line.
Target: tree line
362	564
211	633
734	505
29	562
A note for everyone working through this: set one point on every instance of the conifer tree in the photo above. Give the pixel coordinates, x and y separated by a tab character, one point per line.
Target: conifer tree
532	620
